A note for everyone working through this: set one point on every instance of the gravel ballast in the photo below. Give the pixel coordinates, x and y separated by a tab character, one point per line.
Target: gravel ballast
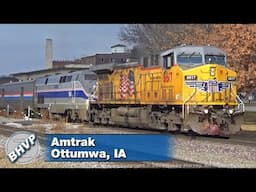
214	154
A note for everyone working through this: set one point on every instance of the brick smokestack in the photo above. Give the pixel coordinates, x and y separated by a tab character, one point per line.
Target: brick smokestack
48	53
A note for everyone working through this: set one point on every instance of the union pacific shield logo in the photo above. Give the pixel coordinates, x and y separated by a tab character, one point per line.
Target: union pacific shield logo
208	86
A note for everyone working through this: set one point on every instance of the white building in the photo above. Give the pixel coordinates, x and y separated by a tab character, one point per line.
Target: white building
118	48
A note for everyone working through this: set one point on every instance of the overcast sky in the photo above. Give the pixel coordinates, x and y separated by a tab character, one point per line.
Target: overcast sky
22	46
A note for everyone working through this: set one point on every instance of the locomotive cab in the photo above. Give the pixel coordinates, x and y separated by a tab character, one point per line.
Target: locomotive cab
191	56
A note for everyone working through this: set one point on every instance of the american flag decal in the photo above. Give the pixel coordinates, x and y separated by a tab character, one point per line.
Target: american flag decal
127	85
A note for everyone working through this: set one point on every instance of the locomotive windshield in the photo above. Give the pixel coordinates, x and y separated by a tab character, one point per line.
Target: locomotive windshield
192	60
189	59
218	59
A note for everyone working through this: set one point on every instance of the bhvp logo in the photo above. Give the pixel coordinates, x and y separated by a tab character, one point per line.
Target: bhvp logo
22	147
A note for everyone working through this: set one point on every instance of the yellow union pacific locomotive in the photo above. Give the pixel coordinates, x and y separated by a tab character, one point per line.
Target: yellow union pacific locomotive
193	89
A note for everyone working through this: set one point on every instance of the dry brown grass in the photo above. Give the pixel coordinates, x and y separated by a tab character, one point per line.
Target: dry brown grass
250	117
17	115
45	116
59	125
39	128
2	113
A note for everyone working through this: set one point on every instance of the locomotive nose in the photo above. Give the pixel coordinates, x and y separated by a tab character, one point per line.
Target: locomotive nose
206	128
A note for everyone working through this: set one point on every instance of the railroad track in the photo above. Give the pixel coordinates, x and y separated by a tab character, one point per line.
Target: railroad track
241	139
245	137
7	131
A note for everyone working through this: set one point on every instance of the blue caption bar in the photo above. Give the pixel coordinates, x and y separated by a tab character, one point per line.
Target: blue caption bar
108	147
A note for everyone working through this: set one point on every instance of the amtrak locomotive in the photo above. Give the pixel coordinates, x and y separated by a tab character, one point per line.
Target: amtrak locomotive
60	96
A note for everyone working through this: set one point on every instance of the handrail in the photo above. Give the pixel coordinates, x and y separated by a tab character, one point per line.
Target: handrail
184	103
241	103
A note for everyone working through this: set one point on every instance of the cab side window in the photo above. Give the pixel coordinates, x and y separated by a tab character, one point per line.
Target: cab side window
168	61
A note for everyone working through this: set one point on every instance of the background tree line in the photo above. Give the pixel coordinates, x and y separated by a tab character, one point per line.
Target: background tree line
237	40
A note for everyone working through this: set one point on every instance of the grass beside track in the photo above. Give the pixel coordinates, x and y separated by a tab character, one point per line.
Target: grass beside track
249	117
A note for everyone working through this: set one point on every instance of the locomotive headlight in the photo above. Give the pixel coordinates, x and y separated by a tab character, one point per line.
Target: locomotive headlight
212	71
231	111
230	78
206	111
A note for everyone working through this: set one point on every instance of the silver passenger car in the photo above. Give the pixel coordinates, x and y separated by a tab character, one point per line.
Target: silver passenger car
17	96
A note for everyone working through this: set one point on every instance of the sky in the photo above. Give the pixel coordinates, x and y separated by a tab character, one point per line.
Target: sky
22	46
